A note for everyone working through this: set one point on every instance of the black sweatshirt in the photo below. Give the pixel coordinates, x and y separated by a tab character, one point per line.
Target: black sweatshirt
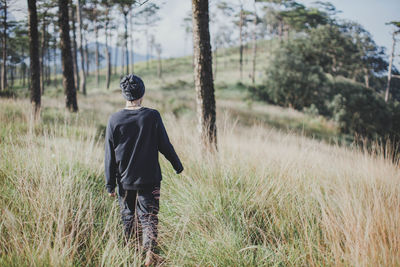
133	139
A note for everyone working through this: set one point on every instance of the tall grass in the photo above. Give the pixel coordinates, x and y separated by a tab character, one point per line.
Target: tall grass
266	199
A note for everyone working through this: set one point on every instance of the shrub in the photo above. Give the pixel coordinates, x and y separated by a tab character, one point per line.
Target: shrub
177	85
359	110
8	94
292	80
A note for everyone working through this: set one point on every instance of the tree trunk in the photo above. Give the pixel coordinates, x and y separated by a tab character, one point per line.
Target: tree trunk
225	57
4	66
126	42
390	68
48	60
82	72
55	65
241	43
203	75
34	59
146	32
216	62
12	69
86	55
366	77
74	50
132	50
116	57
107	51
66	56
159	68
23	66
253	74
1	81
123	59
96	33
42	52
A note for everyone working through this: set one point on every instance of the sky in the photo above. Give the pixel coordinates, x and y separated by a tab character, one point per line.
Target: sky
372	14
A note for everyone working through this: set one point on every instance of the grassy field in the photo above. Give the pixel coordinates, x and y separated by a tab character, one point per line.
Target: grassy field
280	192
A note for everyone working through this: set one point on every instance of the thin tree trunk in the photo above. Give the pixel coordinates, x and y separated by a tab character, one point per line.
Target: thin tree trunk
23	74
203	75
86	55
96	32
216	62
123	59
74	50
241	43
253	75
126	42
1	81
48	70
390	68
159	66
23	67
225	57
66	56
116	58
34	59
55	65
366	77
12	69
146	32
42	52
4	66
107	52
82	57
286	32
132	50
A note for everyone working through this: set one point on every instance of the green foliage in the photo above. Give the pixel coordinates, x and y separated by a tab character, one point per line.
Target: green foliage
332	50
312	110
395	23
300	17
395	131
291	79
299	73
359	110
8	93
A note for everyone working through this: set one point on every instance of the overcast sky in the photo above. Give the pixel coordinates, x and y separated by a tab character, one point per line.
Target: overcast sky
372	14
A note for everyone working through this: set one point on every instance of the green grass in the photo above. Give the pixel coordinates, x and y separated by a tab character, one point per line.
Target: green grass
272	196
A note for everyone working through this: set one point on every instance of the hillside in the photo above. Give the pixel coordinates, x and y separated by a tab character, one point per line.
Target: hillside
176	87
272	196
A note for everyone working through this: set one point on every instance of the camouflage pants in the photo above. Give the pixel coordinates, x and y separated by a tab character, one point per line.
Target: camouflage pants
139	210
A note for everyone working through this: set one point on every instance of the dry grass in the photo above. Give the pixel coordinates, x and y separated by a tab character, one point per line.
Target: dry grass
267	199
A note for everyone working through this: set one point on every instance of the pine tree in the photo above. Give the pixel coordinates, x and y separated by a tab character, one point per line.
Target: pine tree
34	58
80	38
66	56
203	75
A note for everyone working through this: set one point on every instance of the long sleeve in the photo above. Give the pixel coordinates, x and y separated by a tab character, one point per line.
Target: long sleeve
109	161
166	148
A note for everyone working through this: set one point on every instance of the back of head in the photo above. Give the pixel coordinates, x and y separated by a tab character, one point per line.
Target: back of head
132	87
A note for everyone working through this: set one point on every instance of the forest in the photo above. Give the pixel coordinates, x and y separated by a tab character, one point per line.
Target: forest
285	115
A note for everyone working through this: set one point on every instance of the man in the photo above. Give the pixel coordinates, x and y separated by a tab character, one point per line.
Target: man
134	135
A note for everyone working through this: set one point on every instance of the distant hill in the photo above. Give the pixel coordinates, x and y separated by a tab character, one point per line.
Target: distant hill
115	51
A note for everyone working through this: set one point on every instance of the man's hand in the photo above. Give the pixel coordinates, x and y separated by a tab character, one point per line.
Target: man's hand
111	194
179	171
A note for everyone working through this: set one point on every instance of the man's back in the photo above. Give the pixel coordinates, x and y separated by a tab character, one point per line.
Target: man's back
133	139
